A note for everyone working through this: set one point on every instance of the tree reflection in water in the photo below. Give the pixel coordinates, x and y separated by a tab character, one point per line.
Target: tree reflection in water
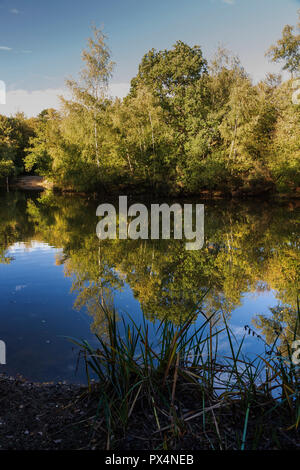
249	247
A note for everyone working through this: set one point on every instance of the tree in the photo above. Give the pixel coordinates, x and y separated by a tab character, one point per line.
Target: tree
91	92
284	151
72	147
7	149
205	165
287	49
185	127
23	131
39	153
171	75
142	138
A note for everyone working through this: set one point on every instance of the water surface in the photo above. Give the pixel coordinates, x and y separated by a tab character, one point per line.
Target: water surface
55	274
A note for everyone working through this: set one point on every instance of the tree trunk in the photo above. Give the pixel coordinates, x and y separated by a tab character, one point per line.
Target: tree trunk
96	138
233	140
96	144
129	163
152	132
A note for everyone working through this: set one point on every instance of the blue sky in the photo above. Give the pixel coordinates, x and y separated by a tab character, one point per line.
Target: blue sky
41	41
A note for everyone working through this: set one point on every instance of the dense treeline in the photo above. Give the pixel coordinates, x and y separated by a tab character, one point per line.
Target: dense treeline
186	126
15	134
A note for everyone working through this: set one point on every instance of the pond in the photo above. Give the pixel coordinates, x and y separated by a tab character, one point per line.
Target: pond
55	274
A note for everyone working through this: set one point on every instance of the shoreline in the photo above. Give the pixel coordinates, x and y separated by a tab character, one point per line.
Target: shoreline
59	416
36	415
38	183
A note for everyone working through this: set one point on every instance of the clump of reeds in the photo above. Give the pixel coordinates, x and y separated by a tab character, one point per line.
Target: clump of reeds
178	377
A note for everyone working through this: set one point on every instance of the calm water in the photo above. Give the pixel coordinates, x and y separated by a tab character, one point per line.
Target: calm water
54	274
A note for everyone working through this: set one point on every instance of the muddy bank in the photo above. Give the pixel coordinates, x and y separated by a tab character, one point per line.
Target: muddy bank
62	417
44	416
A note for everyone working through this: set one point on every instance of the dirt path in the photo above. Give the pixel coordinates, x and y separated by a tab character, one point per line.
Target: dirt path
31	183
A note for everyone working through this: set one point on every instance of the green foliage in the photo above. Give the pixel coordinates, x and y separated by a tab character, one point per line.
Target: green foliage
15	134
7	148
186	127
284	160
38	157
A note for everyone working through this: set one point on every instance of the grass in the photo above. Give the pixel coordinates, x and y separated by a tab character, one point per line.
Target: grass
171	390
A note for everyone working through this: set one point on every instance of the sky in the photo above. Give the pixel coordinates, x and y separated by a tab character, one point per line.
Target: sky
41	41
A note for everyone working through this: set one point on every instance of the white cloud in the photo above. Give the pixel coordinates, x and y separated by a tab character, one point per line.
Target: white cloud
229	2
238	330
23	51
2	92
14	11
119	89
33	102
